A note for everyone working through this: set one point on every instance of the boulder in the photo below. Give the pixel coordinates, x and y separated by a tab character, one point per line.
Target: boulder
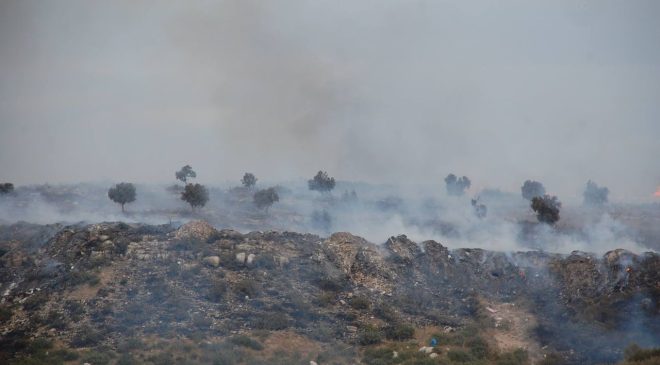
199	230
213	261
240	257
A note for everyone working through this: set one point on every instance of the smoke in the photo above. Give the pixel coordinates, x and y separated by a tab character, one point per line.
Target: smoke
395	92
374	212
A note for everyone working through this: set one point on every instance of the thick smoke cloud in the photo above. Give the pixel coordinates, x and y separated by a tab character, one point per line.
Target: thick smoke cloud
396	92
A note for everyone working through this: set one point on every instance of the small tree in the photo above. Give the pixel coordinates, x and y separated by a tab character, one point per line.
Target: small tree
263	199
532	189
6	188
249	180
546	208
196	195
480	210
122	193
321	182
185	173
595	195
456	186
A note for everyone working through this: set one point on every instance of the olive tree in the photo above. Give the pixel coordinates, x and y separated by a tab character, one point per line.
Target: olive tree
457	186
6	188
249	180
595	195
185	173
531	189
264	198
546	208
196	195
122	193
321	182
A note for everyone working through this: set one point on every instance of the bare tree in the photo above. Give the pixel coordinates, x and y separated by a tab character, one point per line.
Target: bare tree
122	193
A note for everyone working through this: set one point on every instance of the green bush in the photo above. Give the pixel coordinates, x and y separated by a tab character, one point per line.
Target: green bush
517	357
272	321
359	302
369	335
478	347
86	337
246	287
459	356
399	332
634	353
217	290
6	313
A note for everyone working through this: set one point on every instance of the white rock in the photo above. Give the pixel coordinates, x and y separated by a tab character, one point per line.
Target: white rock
433	355
250	258
426	349
240	257
212	261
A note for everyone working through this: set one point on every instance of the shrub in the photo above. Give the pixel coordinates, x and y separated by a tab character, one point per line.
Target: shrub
273	321
245	341
517	357
459	356
369	335
86	337
359	302
246	287
635	353
399	332
217	290
6	313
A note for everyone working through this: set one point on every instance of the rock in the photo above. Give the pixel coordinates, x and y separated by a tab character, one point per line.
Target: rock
211	261
395	354
240	257
104	237
351	329
313	363
426	349
433	355
250	258
403	249
199	230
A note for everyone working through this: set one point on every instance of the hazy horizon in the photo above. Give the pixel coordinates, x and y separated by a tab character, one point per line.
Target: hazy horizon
383	92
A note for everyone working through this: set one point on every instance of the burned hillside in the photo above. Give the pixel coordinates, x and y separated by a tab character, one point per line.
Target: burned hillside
91	289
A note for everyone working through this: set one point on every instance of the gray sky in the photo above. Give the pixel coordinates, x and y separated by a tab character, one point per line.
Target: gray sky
381	91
